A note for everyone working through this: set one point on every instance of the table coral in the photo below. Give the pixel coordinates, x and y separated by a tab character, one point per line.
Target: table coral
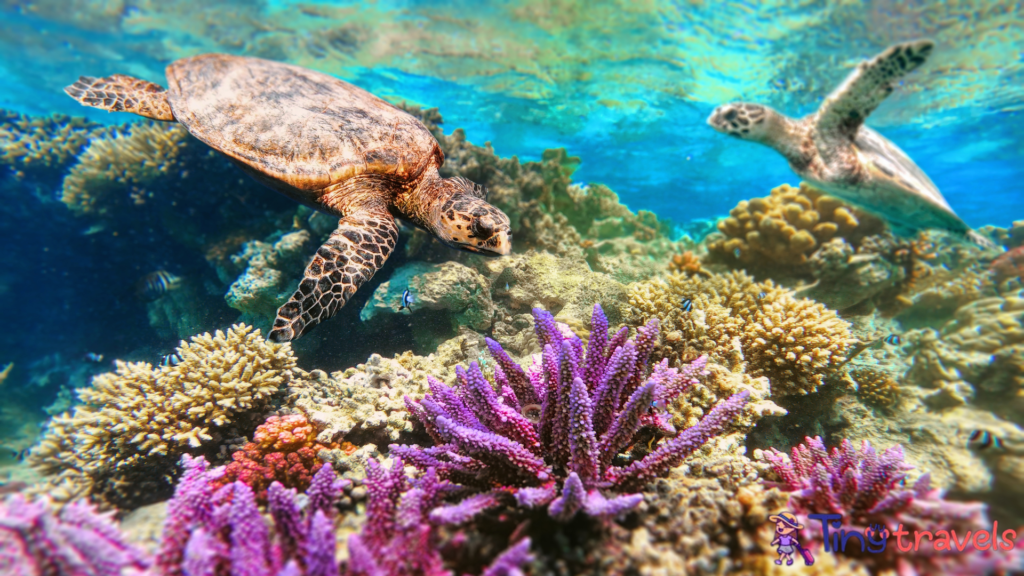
284	449
794	342
866	489
74	541
550	434
119	167
141	415
783	230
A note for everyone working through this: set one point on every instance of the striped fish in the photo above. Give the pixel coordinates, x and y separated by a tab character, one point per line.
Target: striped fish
155	285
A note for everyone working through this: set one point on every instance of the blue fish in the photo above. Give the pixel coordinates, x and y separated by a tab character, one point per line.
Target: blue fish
506	286
172	359
406	301
983	440
736	252
761	295
94	357
893	340
687	304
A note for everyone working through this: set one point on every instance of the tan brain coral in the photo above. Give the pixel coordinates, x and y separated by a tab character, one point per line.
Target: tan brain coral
785	228
140	414
794	342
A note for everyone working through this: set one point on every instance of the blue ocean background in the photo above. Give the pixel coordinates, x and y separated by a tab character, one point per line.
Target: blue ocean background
624	86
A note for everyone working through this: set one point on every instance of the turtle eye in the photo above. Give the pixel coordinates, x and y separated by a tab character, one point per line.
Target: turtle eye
482	227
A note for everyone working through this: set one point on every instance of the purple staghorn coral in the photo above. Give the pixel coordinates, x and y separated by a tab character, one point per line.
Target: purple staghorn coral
399	538
549	435
77	541
211	531
869	490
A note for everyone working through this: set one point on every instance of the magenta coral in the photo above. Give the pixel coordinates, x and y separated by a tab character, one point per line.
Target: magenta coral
213	530
399	538
869	490
592	405
284	449
77	541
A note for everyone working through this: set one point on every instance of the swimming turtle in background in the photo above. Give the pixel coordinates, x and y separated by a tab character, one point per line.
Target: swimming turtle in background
327	144
833	149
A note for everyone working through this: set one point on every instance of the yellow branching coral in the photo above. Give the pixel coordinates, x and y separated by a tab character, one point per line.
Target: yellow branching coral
43	143
785	228
875	387
794	342
124	162
140	413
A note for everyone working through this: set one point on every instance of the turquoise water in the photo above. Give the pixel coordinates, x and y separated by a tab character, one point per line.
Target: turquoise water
627	89
129	246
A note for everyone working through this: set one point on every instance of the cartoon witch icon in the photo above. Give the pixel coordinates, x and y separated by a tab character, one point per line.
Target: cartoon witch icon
786	526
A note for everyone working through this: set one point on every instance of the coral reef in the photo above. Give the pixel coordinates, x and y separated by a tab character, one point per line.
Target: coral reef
129	159
284	449
780	232
139	416
566	286
794	342
703	518
399	538
876	387
866	489
268	275
978	353
554	433
687	263
219	530
460	292
74	541
51	143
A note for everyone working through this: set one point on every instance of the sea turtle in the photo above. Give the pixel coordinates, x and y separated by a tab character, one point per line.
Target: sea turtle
833	149
327	144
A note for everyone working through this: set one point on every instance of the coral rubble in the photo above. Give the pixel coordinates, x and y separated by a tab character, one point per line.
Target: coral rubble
551	434
138	415
794	342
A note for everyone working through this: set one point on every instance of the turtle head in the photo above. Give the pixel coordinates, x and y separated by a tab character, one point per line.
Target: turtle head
742	120
468	222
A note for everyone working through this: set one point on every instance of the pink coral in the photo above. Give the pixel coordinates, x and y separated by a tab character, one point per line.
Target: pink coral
868	490
284	449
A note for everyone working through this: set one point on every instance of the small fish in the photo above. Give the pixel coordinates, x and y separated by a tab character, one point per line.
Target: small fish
687	305
94	357
154	285
172	359
94	229
506	286
736	252
761	295
406	301
893	340
983	440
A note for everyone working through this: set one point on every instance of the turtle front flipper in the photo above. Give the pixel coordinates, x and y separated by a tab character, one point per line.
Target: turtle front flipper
354	252
844	110
120	93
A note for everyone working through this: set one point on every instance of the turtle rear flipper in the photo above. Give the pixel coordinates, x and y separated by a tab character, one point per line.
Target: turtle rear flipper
844	110
120	93
354	252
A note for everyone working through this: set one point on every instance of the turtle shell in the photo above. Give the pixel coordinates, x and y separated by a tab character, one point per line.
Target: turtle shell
293	126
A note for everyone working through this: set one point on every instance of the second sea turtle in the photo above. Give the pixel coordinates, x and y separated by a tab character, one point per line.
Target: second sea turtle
327	144
833	149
